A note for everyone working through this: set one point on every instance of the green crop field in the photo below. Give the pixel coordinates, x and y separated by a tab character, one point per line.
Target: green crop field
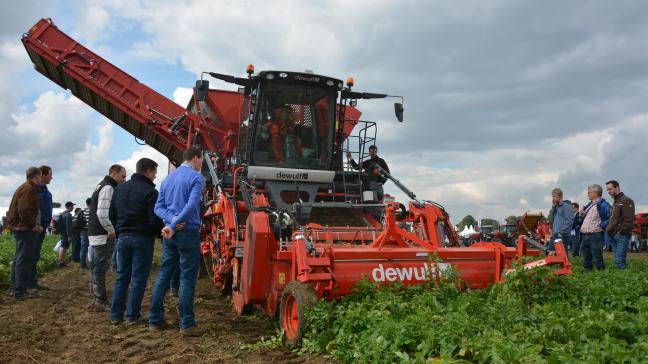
48	260
599	317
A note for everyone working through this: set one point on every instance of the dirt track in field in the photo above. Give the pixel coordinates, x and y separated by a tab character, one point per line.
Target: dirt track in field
58	326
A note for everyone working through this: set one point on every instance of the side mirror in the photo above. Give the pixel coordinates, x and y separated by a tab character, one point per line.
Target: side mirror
202	88
398	109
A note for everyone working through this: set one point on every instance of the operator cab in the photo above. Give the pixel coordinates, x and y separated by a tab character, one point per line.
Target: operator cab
296	125
290	142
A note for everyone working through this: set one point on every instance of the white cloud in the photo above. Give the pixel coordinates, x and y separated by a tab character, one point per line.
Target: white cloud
146	151
93	22
8	184
11	63
53	132
182	95
57	125
89	165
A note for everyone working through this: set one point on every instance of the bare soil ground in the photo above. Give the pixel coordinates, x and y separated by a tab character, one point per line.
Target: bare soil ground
58	326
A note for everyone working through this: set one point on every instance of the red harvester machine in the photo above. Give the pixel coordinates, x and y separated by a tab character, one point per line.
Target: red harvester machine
641	228
290	224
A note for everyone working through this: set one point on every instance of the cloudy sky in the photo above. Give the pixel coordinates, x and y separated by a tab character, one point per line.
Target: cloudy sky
504	99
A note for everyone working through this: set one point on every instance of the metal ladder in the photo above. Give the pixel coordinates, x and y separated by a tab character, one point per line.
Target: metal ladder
365	137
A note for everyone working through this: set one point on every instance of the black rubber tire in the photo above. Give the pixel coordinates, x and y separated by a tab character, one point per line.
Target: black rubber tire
303	297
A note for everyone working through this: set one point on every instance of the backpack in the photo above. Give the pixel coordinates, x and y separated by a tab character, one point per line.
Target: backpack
60	226
78	221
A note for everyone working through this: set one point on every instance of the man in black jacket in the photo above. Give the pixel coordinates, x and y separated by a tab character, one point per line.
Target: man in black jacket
136	227
372	178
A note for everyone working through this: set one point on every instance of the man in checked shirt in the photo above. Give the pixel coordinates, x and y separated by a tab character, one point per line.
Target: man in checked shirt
594	219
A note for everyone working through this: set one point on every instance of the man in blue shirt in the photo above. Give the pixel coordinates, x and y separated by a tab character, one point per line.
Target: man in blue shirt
179	205
46	217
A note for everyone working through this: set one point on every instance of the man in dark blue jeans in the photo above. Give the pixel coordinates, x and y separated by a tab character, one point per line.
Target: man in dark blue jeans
594	219
137	226
179	203
46	217
85	243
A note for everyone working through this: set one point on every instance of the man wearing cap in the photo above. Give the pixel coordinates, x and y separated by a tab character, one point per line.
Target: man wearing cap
65	228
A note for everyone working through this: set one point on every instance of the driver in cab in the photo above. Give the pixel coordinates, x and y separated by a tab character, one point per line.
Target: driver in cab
282	125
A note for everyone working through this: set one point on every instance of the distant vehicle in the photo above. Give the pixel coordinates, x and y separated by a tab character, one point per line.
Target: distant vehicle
533	225
641	229
510	234
486	233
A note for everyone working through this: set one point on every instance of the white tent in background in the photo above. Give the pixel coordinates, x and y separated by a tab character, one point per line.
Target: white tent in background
471	230
57	211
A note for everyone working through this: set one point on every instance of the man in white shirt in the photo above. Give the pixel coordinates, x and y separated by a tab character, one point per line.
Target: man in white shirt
101	233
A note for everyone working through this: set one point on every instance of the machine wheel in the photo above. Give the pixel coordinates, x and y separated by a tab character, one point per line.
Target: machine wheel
471	241
496	240
207	268
296	298
240	307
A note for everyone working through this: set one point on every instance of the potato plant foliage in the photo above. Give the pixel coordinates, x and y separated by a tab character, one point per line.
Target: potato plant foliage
48	260
599	317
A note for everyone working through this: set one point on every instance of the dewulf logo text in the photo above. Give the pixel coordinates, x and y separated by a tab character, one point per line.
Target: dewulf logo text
298	176
382	274
307	79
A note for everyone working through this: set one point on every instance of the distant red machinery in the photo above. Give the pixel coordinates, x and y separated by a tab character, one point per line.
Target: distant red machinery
487	233
531	225
641	228
292	224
